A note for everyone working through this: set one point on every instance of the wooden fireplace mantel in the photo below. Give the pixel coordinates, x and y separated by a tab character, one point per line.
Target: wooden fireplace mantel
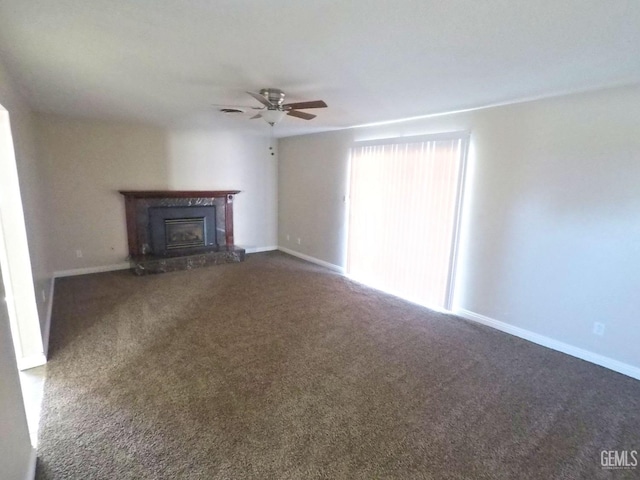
139	198
177	193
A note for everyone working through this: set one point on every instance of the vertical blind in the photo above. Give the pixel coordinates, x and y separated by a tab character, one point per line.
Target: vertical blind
403	216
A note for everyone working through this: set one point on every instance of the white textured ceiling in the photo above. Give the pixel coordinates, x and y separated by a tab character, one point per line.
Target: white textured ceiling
167	61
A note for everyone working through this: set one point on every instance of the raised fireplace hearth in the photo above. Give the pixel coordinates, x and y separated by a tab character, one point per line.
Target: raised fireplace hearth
172	230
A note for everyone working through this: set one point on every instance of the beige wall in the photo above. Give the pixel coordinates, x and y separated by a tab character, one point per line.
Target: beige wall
550	230
311	190
89	161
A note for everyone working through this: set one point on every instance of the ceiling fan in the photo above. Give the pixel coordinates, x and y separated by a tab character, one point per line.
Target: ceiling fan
274	108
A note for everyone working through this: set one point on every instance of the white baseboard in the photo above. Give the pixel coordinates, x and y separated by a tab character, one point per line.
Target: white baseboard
32	361
47	320
308	258
260	249
86	270
33	460
606	362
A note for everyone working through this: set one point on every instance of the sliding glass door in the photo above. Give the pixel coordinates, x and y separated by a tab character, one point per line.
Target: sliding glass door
405	199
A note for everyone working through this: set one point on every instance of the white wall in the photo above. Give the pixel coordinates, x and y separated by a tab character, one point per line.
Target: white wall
205	160
15	446
89	161
551	236
24	257
23	210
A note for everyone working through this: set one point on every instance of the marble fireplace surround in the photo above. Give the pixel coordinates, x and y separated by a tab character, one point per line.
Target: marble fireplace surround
144	260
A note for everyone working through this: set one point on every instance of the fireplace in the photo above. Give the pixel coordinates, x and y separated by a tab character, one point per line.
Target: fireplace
178	230
184	233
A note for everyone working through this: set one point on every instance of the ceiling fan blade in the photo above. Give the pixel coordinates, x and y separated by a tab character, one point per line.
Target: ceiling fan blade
256	116
227	105
261	99
303	115
304	105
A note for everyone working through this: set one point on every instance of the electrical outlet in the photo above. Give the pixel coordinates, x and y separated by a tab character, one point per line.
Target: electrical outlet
79	253
598	328
299	241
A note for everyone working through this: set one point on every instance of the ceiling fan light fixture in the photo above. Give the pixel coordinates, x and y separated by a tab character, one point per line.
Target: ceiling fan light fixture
272	116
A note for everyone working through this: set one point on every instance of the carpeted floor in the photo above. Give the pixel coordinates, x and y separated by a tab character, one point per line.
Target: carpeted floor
278	369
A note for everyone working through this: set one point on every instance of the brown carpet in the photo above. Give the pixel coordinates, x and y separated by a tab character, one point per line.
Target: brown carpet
278	369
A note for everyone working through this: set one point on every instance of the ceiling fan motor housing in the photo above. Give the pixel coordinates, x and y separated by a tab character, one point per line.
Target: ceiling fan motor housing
274	107
274	95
